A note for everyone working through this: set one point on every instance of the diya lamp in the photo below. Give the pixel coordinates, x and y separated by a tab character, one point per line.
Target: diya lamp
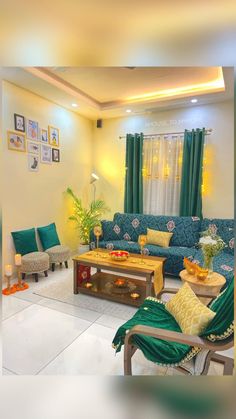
134	295
88	285
120	282
202	273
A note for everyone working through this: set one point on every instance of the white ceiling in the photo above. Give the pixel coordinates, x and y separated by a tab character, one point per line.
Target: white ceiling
106	92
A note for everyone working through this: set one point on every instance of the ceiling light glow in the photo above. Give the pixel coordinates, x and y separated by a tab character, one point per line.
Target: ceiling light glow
128	110
74	105
194	100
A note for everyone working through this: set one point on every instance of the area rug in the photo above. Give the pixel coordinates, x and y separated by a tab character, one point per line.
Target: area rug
63	291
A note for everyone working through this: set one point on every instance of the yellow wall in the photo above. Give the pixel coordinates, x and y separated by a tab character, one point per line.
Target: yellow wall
109	152
36	199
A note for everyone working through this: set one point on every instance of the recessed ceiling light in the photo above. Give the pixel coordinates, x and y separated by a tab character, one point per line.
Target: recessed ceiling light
194	100
74	105
128	110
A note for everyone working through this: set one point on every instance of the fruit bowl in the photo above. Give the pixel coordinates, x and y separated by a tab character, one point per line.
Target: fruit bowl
119	255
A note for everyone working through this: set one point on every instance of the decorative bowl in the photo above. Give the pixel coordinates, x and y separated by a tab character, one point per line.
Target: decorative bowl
119	255
202	273
191	268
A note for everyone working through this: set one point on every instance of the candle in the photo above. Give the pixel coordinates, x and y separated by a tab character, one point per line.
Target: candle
18	259
8	270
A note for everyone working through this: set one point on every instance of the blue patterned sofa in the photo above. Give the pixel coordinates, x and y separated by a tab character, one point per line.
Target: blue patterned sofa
123	232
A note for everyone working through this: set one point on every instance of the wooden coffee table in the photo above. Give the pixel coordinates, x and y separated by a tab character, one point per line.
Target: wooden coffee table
103	282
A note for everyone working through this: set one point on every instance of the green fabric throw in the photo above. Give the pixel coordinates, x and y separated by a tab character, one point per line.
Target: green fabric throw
153	313
191	180
134	178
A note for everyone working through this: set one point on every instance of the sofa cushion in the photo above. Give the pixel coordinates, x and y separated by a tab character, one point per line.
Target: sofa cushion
25	241
111	230
160	238
185	229
223	228
223	263
48	236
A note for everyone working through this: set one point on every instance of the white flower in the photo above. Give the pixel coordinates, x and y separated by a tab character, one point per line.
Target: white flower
207	240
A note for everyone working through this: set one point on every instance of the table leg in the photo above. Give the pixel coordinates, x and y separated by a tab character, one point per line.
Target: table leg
148	285
76	265
98	270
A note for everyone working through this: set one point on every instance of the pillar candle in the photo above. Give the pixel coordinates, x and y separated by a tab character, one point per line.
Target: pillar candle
8	270
18	260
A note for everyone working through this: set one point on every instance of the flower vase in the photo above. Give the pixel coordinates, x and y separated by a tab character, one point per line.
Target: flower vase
208	264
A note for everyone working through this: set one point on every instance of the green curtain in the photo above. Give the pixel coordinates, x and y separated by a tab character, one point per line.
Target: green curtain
153	313
134	179
191	182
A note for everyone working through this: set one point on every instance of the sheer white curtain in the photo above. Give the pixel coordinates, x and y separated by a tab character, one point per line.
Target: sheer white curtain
162	165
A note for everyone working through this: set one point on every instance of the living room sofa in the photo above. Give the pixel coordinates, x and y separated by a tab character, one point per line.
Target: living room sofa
123	231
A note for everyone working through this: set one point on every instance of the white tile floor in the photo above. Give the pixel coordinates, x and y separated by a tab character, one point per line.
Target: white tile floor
48	337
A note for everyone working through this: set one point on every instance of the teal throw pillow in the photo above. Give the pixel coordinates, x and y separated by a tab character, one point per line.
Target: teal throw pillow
25	241
48	236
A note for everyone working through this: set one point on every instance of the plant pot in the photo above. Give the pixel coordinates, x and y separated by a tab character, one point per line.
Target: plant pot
83	248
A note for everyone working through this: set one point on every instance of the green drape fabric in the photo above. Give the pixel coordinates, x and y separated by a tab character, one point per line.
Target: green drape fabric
153	313
191	180
134	180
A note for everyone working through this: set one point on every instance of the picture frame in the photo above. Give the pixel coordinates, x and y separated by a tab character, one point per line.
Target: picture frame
44	136
33	163
32	130
33	147
16	141
19	122
56	155
46	154
53	134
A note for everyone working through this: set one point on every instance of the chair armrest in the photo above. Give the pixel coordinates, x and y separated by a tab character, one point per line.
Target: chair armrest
170	336
175	290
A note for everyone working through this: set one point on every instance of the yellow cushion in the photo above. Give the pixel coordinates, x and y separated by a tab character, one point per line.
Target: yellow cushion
160	238
190	313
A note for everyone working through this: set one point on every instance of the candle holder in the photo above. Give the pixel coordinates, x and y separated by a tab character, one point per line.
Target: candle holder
97	232
20	285
9	289
142	240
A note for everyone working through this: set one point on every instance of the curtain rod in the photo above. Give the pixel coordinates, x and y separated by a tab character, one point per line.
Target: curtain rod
208	132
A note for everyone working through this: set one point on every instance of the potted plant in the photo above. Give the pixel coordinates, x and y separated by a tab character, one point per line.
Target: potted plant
86	219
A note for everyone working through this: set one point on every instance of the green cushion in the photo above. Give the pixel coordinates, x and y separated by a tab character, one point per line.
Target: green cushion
48	236
25	241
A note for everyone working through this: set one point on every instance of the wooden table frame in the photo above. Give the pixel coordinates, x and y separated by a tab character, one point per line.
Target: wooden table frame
120	268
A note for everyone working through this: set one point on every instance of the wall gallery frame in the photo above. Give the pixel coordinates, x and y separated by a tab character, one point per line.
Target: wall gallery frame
56	155
33	148
53	134
16	141
46	154
32	129
33	163
19	122
44	136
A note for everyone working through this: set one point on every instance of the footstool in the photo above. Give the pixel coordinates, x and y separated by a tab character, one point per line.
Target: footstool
35	263
58	254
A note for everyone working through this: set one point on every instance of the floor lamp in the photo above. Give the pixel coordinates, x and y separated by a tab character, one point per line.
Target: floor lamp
93	180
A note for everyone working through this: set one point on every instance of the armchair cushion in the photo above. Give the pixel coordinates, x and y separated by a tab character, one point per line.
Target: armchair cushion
189	312
48	236
25	241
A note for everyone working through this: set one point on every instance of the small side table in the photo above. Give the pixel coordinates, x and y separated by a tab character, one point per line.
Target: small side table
210	285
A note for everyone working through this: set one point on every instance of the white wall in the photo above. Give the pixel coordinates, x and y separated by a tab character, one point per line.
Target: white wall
109	152
36	199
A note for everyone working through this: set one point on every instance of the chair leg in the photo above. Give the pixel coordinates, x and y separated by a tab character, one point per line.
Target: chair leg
60	264
128	352
23	275
36	277
66	264
53	267
46	273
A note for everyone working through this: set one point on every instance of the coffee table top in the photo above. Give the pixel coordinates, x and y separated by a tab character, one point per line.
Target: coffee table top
103	261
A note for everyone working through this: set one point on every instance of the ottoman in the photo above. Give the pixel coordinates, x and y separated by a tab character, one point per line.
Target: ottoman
58	254
34	263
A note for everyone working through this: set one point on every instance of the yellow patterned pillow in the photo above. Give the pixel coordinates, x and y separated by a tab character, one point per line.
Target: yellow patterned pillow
160	238
190	313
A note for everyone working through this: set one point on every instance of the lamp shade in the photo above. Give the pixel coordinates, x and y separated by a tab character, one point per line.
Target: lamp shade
94	178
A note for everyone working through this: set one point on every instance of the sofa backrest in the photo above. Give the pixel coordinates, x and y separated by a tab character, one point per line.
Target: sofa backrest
185	229
223	228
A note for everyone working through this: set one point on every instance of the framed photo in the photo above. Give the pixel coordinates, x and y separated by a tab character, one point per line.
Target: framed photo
56	155
19	122
46	154
16	141
44	136
33	163
32	130
53	134
32	147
